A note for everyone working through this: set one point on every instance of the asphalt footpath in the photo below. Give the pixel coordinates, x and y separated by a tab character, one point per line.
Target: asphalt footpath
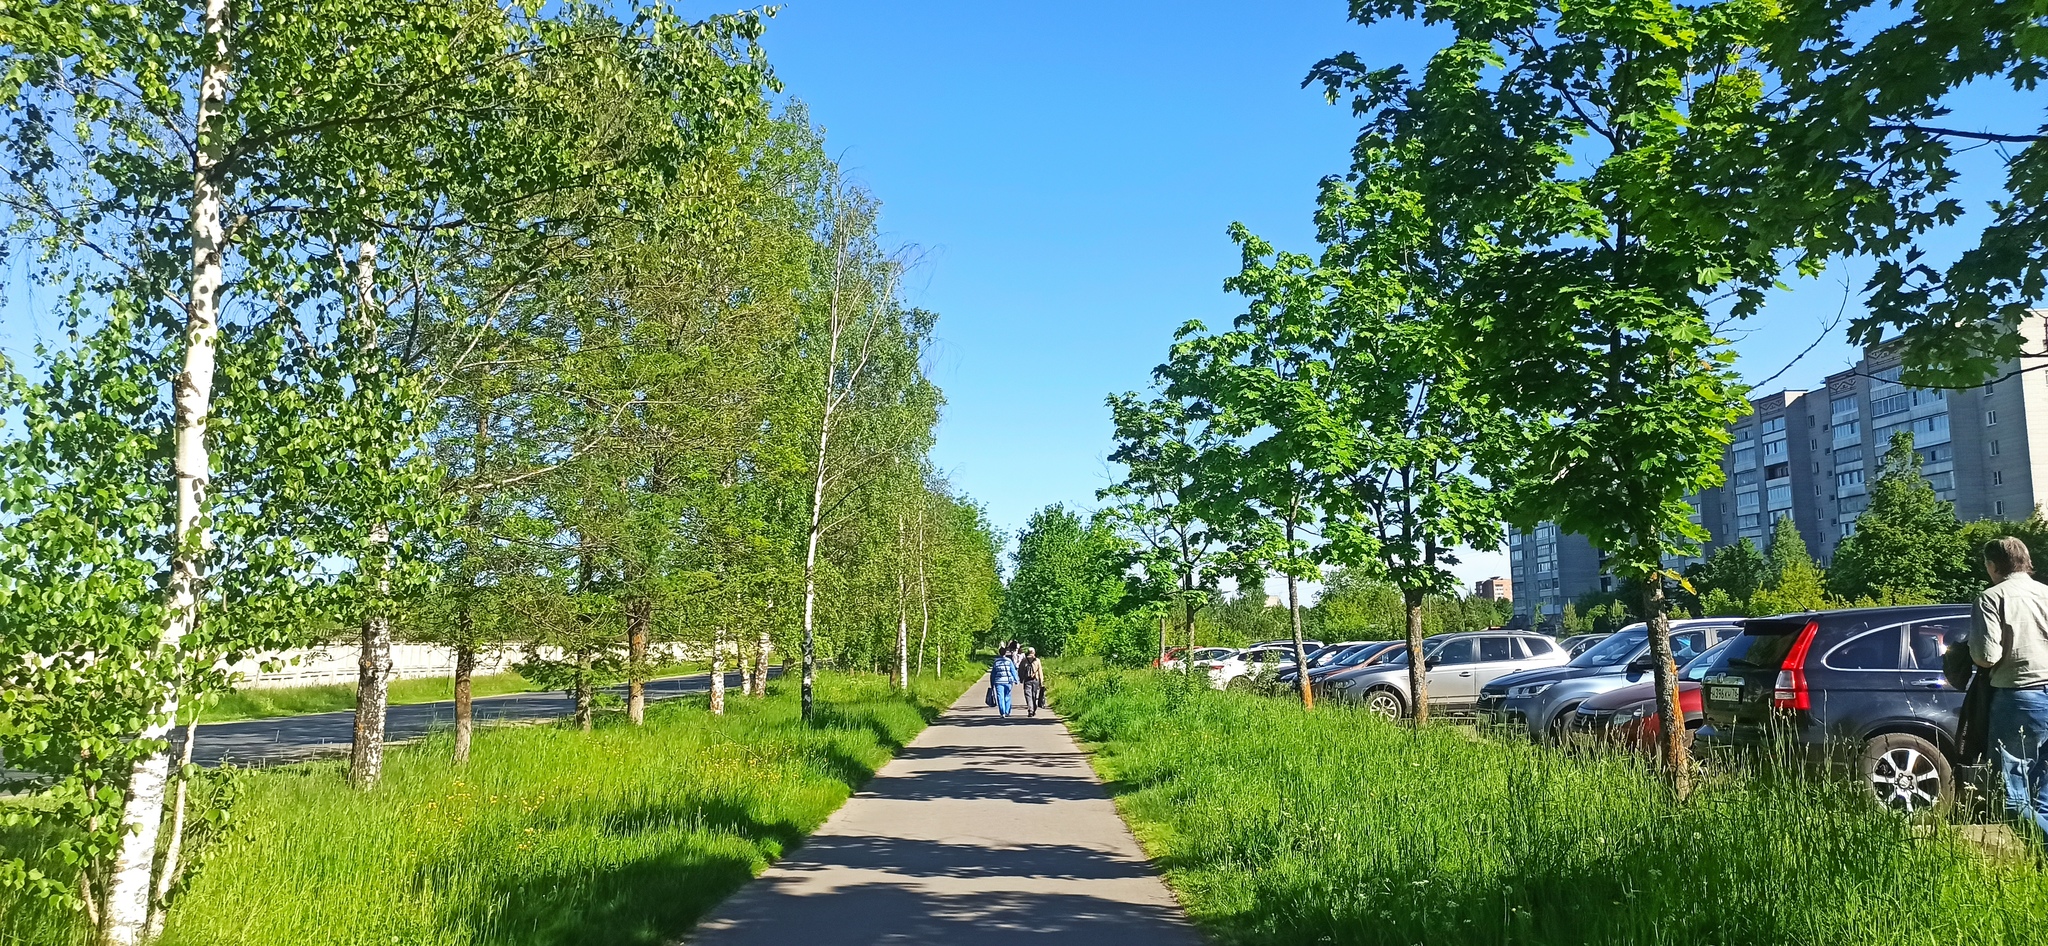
283	739
983	831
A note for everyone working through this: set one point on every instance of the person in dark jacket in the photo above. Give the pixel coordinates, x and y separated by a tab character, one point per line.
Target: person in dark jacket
1032	671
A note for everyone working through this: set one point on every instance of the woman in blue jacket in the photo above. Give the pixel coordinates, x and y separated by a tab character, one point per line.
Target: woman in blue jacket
1002	675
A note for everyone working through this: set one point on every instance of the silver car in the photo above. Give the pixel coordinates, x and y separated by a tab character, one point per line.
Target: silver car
1457	666
1544	700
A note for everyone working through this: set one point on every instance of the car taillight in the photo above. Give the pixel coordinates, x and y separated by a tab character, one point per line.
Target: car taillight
1789	692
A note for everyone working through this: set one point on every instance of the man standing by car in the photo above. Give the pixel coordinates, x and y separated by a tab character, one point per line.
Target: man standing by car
2010	639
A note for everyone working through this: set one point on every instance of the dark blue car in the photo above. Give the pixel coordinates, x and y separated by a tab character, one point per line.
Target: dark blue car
1861	686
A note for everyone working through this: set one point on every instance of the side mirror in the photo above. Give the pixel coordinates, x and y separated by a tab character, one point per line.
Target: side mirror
1429	663
1643	664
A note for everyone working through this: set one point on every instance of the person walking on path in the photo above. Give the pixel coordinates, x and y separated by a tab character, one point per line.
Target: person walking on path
1002	675
1032	671
2010	639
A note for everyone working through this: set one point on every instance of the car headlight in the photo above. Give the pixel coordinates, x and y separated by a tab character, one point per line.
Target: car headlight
1340	684
1527	690
1639	711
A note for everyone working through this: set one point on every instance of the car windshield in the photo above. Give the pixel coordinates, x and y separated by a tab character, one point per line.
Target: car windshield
1697	668
1213	653
1356	654
1614	650
1399	658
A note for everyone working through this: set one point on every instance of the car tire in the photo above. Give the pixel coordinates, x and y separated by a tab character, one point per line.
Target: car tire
1908	774
1559	730
1386	703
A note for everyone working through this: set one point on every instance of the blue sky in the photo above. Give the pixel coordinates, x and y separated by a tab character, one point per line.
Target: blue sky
1066	171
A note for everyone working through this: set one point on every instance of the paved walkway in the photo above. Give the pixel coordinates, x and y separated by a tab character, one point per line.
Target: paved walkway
983	832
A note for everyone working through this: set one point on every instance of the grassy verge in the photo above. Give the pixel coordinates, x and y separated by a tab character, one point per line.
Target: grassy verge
548	836
271	702
1284	827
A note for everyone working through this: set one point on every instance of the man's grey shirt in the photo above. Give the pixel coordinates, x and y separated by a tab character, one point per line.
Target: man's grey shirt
2011	632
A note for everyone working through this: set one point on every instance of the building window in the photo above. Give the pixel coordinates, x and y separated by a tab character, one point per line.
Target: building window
1998	477
1849	455
1848	430
1849	478
1987	387
1929	397
1990	418
1942	482
1751	521
1774	448
1934	425
1745	499
1777	471
1994	448
1745	478
1938	453
1888	374
1895	404
1774	424
1998	508
1779	497
1742	433
1745	457
1843	406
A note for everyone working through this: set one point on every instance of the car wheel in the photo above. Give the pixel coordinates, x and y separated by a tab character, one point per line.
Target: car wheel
1908	774
1386	704
1560	728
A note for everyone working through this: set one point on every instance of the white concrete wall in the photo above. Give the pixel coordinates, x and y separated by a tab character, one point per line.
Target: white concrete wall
336	663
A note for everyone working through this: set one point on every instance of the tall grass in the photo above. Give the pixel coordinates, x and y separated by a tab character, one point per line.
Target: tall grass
1279	826
547	836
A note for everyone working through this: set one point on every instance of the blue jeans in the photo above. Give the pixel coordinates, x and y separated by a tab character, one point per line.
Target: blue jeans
1003	698
2019	745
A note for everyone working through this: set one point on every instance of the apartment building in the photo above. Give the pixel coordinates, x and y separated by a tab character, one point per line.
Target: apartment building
1497	588
1812	455
1549	568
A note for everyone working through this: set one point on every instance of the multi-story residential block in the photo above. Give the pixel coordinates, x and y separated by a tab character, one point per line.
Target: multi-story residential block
1548	569
1497	588
1812	455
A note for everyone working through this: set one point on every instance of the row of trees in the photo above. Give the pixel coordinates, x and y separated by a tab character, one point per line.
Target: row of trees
1517	309
1075	591
476	325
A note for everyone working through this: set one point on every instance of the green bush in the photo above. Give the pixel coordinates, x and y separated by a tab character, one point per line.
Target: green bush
1285	827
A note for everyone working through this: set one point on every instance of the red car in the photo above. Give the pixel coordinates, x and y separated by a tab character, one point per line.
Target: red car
1628	716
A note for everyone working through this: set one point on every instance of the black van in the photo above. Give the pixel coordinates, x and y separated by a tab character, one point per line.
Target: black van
1862	686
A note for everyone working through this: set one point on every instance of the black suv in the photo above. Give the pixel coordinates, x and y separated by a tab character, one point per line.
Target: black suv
1862	685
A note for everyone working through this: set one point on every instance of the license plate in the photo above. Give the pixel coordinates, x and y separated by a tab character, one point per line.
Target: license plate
1725	694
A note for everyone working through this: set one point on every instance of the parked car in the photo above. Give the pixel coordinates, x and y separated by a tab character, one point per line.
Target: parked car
1542	701
1307	645
1628	716
1204	658
1168	656
1861	687
1578	643
1323	657
1457	666
1251	664
1359	652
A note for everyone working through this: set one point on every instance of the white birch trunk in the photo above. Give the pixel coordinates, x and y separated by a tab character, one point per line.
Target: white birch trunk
129	887
902	615
924	600
718	671
373	665
174	842
763	646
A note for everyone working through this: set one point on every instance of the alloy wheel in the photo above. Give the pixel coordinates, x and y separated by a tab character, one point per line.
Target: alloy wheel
1905	779
1384	703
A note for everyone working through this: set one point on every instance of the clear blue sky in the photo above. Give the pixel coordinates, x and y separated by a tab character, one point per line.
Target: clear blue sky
1068	170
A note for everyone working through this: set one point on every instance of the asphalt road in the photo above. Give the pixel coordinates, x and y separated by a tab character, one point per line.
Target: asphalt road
258	742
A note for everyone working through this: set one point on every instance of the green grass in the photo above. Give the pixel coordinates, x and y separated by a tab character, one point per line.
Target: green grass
1277	826
269	702
548	836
